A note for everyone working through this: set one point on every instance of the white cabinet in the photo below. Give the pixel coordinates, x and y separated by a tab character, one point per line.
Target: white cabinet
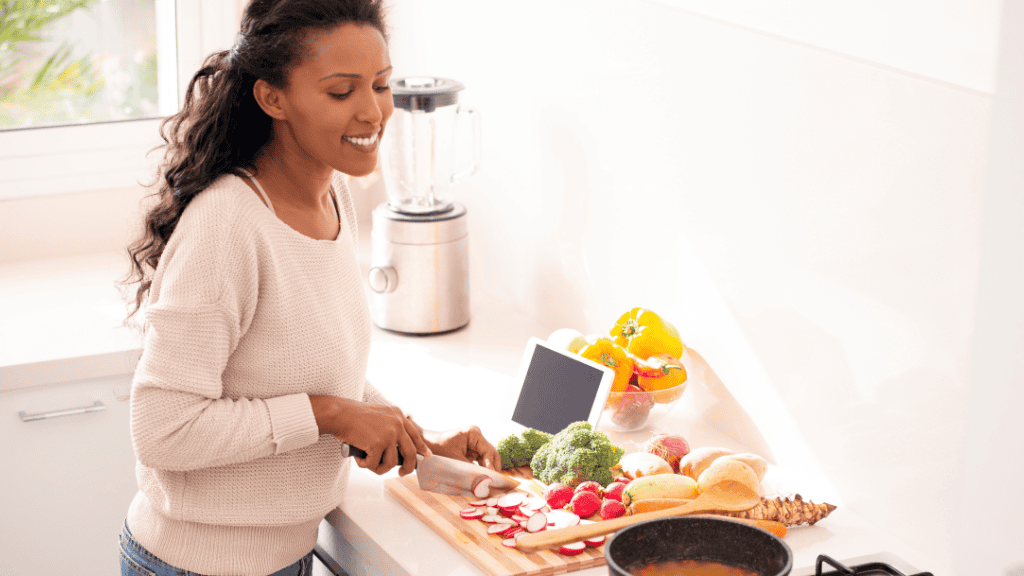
66	481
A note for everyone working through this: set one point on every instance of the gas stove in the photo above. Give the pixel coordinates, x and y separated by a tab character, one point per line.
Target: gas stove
881	564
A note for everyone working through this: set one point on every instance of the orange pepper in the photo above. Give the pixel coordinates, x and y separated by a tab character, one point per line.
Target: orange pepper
603	351
644	334
659	373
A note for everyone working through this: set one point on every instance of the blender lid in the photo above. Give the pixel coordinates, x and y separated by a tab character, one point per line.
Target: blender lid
424	93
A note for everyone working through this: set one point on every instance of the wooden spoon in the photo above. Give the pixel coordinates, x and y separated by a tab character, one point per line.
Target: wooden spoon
727	496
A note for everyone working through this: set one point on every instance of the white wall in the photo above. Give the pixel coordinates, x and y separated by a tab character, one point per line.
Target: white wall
832	200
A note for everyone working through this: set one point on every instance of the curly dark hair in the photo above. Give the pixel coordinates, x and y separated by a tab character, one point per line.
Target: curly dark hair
221	129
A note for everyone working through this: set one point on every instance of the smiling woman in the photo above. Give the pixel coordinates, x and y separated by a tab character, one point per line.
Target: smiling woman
257	332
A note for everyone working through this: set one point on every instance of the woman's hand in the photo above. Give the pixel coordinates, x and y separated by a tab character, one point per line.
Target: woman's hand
467	444
383	432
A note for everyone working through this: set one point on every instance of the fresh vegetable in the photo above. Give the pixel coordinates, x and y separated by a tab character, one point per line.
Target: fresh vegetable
614	490
611	509
584	503
791	512
576	454
721	470
697	460
604	351
567	339
758	464
482	487
595	541
557	495
659	486
661	373
643	333
471	513
637	464
669	447
630	408
518	449
536	522
591	486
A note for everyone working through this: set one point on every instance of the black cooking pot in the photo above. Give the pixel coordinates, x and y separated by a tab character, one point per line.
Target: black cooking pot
690	538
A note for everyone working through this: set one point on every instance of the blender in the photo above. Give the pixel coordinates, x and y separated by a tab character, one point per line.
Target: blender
419	263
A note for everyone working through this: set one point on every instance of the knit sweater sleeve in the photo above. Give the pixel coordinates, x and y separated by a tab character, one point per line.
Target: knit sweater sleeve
202	298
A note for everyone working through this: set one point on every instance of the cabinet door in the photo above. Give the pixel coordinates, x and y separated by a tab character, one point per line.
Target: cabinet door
67	481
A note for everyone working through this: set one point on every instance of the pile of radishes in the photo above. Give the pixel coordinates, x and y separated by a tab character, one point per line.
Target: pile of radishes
517	513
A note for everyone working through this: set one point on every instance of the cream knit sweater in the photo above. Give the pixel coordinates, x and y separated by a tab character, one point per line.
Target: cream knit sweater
246	319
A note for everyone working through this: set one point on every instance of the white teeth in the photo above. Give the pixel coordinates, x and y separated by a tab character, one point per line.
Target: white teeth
362	141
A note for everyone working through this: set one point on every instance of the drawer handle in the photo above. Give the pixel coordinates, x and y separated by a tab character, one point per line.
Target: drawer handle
96	407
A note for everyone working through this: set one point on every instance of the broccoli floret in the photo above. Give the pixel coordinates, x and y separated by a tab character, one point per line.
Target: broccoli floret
518	449
576	454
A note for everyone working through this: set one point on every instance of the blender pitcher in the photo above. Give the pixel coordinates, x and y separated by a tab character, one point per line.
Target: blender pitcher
424	156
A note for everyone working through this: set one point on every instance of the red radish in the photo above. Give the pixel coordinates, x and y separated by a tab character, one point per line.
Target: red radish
512	500
492	502
537	522
519	517
590	486
471	513
612	509
572	549
509	543
493	510
623	479
535	503
479	503
481	486
513	531
584	503
595	541
509	512
614	491
557	495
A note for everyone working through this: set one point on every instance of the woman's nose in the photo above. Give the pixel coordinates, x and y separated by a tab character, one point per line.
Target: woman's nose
370	109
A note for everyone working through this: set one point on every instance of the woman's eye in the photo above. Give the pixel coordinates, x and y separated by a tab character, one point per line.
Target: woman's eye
339	96
383	88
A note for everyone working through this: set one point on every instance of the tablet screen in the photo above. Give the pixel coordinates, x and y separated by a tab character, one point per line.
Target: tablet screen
557	390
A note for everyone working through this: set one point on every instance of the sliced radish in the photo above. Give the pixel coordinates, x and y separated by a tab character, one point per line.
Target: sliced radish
512	500
508	512
595	541
509	542
537	522
493	510
519	517
492	502
562	519
500	528
471	513
482	486
478	503
572	549
513	532
534	503
496	519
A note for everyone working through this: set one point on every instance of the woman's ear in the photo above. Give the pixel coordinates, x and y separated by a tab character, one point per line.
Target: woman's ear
269	99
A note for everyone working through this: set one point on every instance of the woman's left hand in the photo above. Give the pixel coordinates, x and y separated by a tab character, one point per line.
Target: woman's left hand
467	444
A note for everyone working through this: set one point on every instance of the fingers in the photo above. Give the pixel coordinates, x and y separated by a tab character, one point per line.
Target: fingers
416	434
483	452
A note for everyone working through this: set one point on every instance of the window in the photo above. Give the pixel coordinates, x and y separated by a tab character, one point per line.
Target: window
84	85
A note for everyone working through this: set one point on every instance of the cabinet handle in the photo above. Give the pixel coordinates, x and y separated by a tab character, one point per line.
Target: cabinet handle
96	407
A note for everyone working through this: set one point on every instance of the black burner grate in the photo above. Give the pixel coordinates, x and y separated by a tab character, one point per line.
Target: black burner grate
869	569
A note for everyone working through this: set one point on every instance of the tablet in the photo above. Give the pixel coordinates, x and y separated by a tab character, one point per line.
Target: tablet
557	388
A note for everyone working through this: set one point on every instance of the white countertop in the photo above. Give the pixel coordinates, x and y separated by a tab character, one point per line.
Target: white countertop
62	322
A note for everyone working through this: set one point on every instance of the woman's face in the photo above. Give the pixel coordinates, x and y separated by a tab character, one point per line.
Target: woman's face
337	101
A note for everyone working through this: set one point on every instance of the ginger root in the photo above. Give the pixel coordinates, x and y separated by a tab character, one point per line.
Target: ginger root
791	512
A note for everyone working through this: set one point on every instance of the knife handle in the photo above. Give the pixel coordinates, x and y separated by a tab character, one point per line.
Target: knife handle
360	453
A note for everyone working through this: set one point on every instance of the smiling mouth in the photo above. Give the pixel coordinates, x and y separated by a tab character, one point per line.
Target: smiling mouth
364	142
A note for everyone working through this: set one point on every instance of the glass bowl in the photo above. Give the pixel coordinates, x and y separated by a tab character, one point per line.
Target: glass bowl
636	409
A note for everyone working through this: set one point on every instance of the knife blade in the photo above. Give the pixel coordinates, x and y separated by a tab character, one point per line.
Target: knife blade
443	475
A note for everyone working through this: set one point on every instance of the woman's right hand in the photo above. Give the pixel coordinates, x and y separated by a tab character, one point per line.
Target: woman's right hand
383	432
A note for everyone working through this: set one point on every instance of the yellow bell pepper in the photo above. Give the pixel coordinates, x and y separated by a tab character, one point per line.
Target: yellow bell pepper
644	334
661	375
603	351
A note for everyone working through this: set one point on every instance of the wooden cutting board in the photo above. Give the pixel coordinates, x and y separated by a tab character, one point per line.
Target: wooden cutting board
441	513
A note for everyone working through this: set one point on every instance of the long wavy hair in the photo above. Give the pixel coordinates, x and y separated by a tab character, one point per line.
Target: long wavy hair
221	129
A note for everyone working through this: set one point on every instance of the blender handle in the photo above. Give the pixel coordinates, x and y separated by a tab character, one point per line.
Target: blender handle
477	152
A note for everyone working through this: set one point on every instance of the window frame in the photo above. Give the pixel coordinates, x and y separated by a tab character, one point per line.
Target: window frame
44	161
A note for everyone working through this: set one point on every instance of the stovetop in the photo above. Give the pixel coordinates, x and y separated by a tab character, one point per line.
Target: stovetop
881	564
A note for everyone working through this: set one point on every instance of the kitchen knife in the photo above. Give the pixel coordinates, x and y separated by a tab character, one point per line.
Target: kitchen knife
443	475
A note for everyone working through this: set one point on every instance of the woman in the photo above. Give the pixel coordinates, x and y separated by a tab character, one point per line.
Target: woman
256	327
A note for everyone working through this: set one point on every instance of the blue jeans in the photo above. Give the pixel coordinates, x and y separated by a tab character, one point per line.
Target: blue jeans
137	561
